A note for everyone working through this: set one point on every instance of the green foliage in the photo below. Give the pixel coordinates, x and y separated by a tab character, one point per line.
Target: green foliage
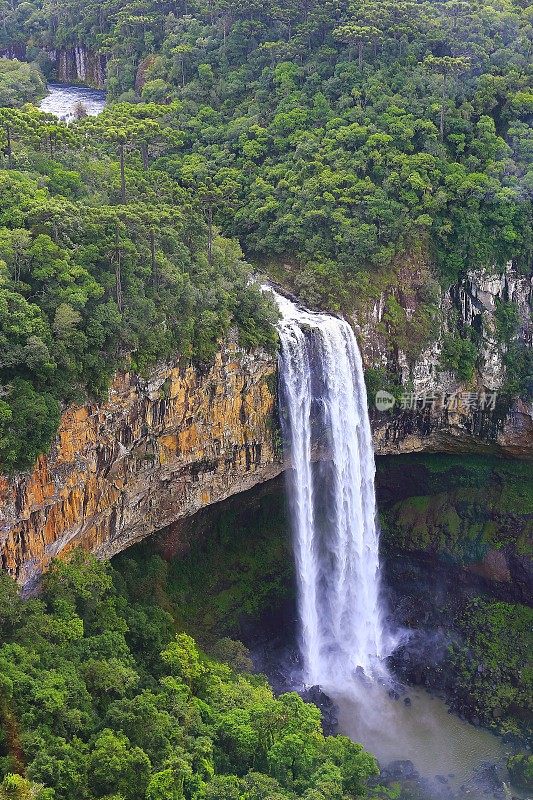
341	135
331	142
225	579
94	722
517	356
518	362
28	422
521	771
492	662
379	379
458	507
115	767
459	354
232	652
15	787
20	83
507	320
103	267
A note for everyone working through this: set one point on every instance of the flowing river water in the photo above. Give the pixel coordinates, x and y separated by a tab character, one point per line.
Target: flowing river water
66	101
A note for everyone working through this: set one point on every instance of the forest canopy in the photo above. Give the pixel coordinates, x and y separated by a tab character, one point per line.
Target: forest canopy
101	697
337	133
331	140
103	265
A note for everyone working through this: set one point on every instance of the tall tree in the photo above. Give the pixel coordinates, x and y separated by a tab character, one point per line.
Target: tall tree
447	68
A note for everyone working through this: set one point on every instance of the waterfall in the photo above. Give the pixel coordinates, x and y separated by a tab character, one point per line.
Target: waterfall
324	407
80	58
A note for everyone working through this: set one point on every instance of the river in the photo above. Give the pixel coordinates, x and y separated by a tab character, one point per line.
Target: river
67	101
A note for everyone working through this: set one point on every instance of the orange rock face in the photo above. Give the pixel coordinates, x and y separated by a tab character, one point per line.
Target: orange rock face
156	451
161	449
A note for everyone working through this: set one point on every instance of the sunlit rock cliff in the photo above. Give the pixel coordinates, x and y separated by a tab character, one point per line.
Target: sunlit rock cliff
161	448
157	450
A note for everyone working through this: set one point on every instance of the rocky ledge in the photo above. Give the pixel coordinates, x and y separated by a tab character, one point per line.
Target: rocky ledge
506	430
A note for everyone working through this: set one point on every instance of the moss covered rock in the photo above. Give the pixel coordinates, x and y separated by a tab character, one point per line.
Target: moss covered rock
473	512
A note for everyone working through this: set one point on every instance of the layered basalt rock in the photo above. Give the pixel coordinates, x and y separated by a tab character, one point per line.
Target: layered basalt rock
79	65
441	413
506	430
75	64
157	450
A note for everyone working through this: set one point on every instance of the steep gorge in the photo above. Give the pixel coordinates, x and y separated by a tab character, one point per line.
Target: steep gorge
76	63
163	447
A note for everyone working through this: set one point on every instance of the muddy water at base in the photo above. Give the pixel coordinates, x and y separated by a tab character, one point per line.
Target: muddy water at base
447	753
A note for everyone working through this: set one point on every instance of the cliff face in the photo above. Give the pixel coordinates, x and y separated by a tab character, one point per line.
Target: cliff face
161	449
74	64
472	515
156	451
470	304
505	431
79	65
438	412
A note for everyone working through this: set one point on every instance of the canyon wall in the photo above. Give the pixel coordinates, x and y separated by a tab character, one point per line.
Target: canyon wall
79	65
470	304
14	50
74	64
159	449
469	516
439	412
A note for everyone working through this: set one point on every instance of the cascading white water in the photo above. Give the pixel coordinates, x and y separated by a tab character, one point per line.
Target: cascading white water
333	504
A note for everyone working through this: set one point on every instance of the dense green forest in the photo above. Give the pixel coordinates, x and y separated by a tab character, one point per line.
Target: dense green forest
102	694
336	142
335	146
101	698
103	267
337	133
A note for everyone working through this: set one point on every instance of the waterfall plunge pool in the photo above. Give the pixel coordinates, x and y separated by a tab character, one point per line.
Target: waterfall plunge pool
433	753
245	541
421	745
65	101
